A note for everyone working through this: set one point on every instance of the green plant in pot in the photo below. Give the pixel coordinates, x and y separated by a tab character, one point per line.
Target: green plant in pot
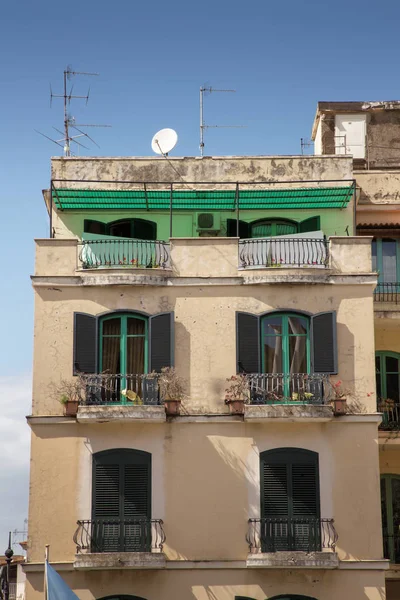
171	390
237	393
70	393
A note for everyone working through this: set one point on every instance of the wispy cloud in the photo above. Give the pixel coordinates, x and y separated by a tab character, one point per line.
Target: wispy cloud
15	404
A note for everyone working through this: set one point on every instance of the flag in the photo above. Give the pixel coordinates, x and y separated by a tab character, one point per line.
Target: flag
57	589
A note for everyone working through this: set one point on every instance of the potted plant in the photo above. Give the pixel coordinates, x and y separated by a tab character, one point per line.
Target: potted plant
70	406
171	390
237	393
70	393
339	399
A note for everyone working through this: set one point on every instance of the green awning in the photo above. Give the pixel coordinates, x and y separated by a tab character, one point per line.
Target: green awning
78	199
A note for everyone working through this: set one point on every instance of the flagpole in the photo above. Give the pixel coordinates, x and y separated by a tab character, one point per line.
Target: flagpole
46	560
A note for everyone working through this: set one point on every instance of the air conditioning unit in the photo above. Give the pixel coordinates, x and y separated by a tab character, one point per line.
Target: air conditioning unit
207	221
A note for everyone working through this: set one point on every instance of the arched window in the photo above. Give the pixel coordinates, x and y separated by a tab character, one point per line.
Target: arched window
121	501
285	340
289	479
387	366
140	229
273	227
390	503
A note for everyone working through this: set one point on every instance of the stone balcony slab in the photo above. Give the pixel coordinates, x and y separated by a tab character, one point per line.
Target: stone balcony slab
288	412
119	560
293	560
100	413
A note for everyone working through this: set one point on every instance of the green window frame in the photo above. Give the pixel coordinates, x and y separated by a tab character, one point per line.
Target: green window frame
285	336
124	336
391	516
383	371
273	227
382	249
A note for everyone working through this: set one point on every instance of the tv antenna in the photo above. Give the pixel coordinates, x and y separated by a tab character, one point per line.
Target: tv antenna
69	121
305	143
208	90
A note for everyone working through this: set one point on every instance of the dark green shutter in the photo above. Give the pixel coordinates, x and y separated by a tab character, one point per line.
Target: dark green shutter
247	343
323	343
121	501
274	489
85	343
231	228
161	341
91	226
144	229
311	224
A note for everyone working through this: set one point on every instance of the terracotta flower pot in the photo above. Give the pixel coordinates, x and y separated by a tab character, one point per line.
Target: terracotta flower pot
71	408
236	407
340	406
172	407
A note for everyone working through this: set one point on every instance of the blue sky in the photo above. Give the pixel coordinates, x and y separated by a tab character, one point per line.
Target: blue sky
281	57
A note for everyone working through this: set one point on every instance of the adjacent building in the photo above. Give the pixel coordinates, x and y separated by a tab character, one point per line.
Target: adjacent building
229	267
370	132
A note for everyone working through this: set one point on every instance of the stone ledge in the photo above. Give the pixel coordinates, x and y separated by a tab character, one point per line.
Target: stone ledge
287	412
293	560
120	560
100	414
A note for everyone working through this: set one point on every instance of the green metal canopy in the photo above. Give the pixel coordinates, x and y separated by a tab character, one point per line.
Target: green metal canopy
316	197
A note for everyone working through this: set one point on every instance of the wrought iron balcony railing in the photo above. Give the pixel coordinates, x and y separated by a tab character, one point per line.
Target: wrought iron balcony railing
307	534
390	415
139	254
115	535
108	389
285	252
387	292
292	388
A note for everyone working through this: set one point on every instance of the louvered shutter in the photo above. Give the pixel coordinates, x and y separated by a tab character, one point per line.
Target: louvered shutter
136	507
85	343
106	508
231	228
311	224
247	343
121	506
161	338
289	500
323	343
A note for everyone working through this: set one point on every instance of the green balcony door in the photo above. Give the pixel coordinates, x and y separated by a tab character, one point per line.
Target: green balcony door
123	349
285	350
386	259
390	503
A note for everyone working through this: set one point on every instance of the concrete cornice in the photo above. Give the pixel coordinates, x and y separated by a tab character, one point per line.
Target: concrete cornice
287	277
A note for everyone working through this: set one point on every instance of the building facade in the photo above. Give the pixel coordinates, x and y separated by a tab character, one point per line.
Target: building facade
369	131
244	267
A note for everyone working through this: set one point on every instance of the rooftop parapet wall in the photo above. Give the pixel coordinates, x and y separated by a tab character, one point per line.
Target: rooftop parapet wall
229	169
201	257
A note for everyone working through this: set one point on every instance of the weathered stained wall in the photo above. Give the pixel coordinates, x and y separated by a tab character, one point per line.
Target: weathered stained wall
228	169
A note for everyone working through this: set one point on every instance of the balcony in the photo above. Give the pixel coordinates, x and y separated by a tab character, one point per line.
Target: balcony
125	253
387	292
116	544
288	396
390	415
308	543
117	396
284	252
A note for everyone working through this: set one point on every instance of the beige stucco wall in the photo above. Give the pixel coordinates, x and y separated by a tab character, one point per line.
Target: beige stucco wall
220	584
378	187
205	482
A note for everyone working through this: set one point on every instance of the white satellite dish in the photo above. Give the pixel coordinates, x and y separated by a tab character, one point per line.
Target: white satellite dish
164	141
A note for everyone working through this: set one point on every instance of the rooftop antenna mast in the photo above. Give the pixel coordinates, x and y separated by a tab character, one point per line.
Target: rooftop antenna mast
207	90
69	121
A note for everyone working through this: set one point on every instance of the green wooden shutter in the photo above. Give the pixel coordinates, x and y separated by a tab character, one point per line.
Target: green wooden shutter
144	229
161	341
311	224
85	344
121	501
247	343
323	343
231	228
